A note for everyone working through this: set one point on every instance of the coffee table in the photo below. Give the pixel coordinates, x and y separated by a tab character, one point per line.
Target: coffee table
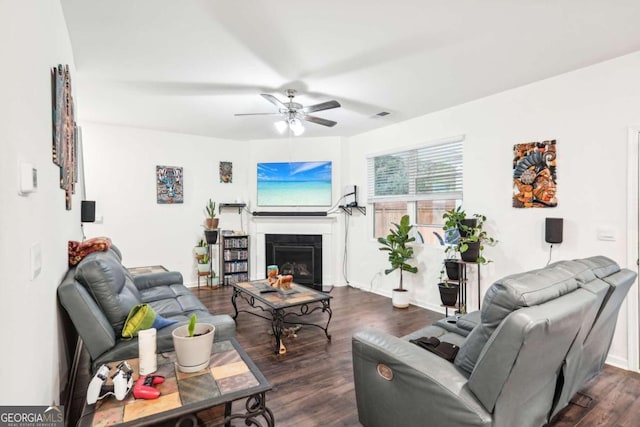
231	376
281	306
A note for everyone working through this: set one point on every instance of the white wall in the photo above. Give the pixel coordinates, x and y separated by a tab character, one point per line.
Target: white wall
587	112
120	172
34	39
295	150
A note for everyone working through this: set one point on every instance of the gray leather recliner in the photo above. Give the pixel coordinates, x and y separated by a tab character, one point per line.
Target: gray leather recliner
539	336
99	292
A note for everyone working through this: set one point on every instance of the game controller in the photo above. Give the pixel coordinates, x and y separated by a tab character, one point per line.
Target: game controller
122	383
144	387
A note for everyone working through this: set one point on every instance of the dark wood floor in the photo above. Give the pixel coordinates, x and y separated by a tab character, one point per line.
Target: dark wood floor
313	381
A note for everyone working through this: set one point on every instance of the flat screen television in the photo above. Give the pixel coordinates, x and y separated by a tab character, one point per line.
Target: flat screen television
294	184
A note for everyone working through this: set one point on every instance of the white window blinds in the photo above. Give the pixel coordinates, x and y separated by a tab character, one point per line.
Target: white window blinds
429	172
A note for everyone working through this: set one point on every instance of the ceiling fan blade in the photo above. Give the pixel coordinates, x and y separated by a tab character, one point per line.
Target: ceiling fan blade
320	121
275	101
258	114
322	106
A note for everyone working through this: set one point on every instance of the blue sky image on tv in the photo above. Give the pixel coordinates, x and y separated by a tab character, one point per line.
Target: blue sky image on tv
294	184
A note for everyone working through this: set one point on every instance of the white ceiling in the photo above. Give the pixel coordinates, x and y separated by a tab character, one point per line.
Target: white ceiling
187	66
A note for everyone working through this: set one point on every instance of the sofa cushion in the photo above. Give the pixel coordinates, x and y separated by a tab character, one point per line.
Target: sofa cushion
110	286
508	295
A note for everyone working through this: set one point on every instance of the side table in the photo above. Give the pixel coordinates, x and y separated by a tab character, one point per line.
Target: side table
231	376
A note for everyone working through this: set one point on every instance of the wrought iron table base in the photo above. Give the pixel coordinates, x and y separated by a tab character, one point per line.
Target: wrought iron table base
255	408
279	316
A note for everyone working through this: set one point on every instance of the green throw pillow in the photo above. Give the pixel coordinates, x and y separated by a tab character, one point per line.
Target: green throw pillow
140	317
143	316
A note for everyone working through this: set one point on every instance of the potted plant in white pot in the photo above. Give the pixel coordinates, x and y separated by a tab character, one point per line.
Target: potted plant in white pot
192	344
400	252
203	264
201	249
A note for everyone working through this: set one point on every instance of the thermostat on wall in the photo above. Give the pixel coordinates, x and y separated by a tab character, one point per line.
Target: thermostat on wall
28	179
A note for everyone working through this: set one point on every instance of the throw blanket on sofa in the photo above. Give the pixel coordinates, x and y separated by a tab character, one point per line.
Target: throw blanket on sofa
79	250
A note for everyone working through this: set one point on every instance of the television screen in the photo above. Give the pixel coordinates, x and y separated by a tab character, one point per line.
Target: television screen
294	184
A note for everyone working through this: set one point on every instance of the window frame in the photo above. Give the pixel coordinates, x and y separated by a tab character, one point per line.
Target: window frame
413	197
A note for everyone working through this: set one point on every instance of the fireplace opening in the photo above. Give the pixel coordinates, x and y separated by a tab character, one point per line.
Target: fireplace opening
297	254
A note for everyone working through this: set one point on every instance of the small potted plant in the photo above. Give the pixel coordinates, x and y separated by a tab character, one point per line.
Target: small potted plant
211	222
448	291
201	249
192	344
454	220
203	264
397	243
472	244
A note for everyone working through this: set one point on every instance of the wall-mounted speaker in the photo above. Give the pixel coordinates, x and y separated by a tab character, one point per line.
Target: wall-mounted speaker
88	211
553	230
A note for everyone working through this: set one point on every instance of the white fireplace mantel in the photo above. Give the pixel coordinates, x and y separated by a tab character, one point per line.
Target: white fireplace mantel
323	225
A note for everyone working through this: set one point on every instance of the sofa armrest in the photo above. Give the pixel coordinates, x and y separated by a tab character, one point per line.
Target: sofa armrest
165	278
423	386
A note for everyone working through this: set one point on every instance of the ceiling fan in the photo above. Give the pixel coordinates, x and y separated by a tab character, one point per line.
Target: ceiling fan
292	113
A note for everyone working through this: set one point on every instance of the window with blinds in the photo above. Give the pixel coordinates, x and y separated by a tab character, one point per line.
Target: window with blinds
423	181
426	173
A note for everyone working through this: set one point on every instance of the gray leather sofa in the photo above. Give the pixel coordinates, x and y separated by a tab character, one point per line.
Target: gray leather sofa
99	292
539	337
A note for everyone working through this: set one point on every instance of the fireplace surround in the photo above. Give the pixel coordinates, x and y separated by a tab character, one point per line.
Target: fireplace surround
297	254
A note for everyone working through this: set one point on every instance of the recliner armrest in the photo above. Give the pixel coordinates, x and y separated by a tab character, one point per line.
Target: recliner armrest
146	281
424	386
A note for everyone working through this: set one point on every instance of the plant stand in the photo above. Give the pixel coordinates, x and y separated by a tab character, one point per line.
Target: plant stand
211	280
461	306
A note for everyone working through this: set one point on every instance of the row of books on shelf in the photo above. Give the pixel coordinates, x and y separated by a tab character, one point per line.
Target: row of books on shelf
236	267
234	255
233	243
235	278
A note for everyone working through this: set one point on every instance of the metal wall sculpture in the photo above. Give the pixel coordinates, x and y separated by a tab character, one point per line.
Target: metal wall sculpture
534	175
65	134
169	184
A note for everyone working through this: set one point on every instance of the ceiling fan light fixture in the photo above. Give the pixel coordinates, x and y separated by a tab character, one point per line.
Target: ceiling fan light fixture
296	127
281	126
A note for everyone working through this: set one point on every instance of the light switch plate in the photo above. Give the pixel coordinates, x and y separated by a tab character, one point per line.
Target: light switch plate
28	179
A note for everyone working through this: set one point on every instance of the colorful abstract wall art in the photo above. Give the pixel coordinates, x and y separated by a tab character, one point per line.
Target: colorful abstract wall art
226	172
534	175
169	184
65	133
